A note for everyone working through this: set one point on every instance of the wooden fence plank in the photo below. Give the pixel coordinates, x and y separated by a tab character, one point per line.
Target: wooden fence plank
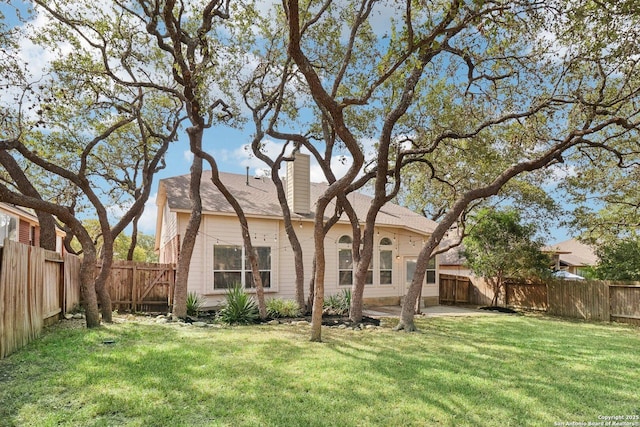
531	296
30	289
71	282
625	303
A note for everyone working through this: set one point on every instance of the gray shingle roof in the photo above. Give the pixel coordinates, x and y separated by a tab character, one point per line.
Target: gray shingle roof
259	198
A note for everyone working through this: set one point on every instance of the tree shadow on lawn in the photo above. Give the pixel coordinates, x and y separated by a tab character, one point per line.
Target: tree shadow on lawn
509	373
162	375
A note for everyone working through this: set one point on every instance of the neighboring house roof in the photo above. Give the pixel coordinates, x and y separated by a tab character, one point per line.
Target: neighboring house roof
25	213
573	252
258	198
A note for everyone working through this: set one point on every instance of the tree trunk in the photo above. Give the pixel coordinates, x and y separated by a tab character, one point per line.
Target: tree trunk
188	241
496	285
48	237
409	306
318	294
357	292
134	238
418	304
88	290
257	279
312	288
104	297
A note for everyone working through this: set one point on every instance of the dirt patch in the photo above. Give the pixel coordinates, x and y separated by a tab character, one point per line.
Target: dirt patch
343	320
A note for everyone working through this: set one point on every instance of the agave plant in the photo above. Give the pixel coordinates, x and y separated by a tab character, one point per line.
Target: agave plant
339	303
240	307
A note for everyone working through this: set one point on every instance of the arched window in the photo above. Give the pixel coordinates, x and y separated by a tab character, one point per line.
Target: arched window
386	261
345	240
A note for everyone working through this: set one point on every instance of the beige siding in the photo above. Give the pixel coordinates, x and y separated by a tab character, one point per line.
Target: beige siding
169	225
169	244
226	230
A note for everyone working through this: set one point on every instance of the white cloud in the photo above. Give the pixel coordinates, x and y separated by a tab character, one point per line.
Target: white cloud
271	148
188	156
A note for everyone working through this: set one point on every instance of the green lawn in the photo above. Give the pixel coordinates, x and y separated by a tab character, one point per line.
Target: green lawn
476	371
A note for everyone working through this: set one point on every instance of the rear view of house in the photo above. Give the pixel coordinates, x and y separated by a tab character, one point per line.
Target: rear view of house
219	259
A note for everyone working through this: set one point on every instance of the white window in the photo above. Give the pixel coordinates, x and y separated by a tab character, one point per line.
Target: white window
386	261
345	261
231	266
431	271
8	228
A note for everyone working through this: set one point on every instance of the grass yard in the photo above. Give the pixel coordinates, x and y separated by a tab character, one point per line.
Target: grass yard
476	371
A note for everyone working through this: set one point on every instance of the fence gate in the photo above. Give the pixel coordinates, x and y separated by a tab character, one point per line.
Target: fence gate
454	289
137	286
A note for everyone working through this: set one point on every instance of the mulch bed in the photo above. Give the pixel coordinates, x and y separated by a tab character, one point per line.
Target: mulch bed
499	309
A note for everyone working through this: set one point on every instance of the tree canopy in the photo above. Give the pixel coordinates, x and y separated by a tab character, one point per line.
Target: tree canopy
619	260
499	247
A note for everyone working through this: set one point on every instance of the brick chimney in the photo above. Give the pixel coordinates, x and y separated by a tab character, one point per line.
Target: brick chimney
299	184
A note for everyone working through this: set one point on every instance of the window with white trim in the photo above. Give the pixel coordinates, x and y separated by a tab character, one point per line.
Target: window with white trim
345	261
369	279
8	227
231	266
431	271
386	261
264	267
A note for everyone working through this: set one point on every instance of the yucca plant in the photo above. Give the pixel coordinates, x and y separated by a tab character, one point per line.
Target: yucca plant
278	307
339	303
194	304
240	307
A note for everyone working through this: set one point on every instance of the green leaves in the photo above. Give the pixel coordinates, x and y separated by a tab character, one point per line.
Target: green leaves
499	245
619	260
240	307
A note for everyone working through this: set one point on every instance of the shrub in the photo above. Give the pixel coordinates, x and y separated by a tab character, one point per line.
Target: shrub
278	307
240	308
194	304
339	303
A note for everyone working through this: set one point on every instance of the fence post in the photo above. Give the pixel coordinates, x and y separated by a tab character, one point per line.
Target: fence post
134	289
606	292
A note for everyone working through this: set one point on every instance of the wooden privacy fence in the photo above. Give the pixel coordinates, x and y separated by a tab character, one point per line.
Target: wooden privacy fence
580	299
527	295
36	285
137	286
